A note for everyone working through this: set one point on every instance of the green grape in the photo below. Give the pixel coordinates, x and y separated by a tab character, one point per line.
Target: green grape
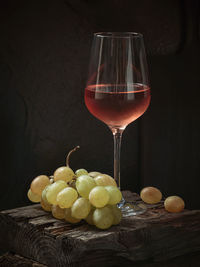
80	172
69	218
44	192
104	179
53	191
94	174
103	218
99	196
44	203
33	197
64	173
114	193
116	213
57	212
39	183
84	185
66	197
81	208
89	218
51	181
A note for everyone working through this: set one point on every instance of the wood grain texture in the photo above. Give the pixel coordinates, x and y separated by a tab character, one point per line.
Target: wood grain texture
13	260
189	260
156	236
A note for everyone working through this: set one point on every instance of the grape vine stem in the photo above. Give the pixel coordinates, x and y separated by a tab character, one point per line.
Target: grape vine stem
69	154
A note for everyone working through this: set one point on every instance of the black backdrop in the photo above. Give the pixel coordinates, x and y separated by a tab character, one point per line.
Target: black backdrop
44	55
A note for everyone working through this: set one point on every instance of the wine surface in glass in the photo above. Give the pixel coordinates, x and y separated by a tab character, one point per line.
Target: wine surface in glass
117	105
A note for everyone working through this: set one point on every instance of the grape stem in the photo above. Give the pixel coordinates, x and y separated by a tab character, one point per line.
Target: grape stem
72	181
69	154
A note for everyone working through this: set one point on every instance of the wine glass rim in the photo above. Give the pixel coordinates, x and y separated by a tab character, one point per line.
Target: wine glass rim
118	34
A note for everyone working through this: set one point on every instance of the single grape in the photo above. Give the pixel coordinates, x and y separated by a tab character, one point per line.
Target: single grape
44	203
44	192
39	183
81	208
103	218
66	197
174	204
94	174
80	172
53	191
33	197
84	185
116	213
151	195
51	181
99	196
114	193
104	179
64	173
89	218
69	218
57	212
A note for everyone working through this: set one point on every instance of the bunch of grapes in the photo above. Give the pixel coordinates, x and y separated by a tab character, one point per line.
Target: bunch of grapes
74	196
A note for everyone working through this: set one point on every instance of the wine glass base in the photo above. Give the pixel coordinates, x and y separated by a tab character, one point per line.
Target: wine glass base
131	208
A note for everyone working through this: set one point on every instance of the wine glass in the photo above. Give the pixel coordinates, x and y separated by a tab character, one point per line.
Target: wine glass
117	91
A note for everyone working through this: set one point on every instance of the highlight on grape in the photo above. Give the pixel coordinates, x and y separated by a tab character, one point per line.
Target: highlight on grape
78	195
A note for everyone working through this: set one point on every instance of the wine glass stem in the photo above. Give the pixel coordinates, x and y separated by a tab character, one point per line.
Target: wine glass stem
117	134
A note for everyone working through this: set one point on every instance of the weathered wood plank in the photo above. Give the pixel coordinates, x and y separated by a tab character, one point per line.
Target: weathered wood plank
156	235
13	260
188	260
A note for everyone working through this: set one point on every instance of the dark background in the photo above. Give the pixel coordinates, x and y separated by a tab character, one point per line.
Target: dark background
44	56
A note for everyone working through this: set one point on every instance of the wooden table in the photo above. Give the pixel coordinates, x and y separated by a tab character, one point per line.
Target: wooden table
155	238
